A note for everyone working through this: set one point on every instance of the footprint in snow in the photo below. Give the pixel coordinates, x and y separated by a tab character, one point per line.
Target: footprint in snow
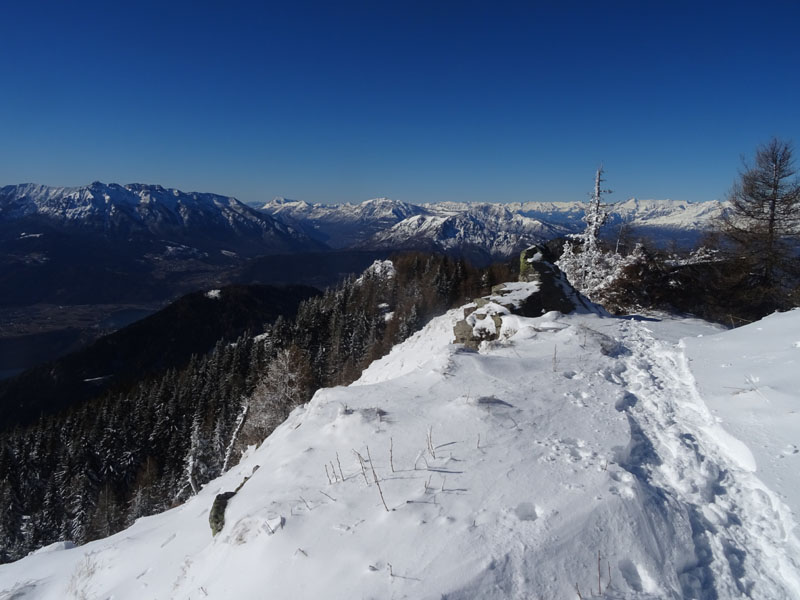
790	450
525	511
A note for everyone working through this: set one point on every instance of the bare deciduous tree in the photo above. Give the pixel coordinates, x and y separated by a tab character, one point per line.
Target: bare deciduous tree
284	386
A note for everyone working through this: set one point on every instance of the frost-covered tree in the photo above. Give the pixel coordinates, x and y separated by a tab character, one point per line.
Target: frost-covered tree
583	261
195	461
284	385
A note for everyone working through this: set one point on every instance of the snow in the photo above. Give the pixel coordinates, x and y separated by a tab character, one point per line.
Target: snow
515	292
213	294
750	384
576	452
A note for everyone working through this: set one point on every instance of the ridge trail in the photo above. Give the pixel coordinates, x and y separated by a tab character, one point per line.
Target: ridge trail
680	455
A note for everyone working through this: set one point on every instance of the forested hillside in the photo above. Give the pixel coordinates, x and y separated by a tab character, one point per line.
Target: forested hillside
164	340
94	469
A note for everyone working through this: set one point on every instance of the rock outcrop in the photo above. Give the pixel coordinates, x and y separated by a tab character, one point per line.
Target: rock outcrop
541	288
216	517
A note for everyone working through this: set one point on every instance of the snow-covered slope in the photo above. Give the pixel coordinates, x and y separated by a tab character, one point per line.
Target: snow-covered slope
575	455
498	230
675	214
147	211
750	383
491	229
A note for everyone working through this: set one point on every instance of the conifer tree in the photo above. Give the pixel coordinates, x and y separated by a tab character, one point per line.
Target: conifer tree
762	227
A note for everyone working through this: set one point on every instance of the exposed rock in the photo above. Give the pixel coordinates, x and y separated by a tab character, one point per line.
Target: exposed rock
555	292
216	518
548	290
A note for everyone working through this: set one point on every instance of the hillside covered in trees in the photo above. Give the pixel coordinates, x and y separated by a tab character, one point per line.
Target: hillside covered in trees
92	470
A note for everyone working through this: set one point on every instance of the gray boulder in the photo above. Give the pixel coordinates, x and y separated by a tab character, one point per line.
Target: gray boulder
216	518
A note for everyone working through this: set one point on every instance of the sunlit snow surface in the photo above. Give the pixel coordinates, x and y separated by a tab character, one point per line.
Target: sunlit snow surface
507	473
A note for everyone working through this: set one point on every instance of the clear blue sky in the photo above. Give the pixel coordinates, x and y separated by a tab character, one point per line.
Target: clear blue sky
418	101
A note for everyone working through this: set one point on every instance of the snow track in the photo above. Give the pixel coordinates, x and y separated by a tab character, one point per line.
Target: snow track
680	455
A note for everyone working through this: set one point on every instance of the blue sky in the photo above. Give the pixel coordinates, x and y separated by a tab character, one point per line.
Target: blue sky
418	101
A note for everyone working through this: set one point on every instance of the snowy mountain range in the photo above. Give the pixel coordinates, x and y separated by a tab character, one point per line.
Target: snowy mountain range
486	230
575	456
341	225
180	222
145	213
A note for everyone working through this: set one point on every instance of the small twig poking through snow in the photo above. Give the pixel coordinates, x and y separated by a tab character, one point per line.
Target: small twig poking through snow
391	454
328	495
335	474
555	358
578	591
428	483
301	551
431	447
377	483
478	446
363	468
306	503
393	575
444	479
340	466
422	456
328	475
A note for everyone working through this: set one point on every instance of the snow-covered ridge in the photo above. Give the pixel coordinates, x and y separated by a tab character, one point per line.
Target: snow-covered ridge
97	198
139	209
505	473
498	229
